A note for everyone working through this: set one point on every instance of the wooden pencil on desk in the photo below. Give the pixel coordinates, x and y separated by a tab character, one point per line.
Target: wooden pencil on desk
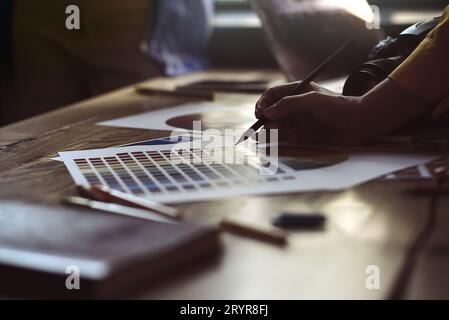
106	194
115	208
254	230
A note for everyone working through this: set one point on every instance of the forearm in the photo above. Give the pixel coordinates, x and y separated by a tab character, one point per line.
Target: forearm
389	106
425	73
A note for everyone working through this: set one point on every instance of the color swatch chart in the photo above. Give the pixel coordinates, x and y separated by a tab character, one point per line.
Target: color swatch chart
162	174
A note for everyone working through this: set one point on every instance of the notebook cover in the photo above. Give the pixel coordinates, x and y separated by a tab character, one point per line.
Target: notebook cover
113	253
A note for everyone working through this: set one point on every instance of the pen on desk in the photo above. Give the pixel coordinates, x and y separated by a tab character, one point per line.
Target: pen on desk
176	93
115	208
106	194
254	230
299	88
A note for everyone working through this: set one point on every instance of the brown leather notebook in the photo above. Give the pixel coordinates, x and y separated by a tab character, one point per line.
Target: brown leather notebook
40	247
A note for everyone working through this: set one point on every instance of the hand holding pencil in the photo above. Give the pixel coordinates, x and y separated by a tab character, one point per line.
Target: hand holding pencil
292	89
304	112
318	116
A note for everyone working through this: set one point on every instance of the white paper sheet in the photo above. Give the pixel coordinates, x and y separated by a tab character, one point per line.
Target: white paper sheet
156	141
230	111
134	174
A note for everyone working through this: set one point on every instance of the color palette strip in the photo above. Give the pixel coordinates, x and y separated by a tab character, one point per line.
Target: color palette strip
168	171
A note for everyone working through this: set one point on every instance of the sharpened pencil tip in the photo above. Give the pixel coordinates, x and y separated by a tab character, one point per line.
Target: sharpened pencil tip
242	138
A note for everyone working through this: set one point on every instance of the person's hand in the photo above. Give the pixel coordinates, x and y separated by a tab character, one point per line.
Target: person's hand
321	116
274	94
318	117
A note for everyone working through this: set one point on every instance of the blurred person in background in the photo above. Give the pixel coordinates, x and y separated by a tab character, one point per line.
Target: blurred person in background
118	43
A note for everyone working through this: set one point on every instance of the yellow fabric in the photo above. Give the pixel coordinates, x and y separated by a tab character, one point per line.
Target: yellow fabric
425	73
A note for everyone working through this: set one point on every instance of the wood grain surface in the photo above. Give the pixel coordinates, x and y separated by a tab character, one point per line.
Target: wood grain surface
374	224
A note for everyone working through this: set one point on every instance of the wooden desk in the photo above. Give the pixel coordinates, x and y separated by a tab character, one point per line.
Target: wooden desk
374	224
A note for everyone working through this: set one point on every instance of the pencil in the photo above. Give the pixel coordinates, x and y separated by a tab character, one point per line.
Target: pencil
115	208
266	233
299	88
106	194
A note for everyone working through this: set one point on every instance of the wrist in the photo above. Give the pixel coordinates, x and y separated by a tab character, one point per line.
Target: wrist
388	106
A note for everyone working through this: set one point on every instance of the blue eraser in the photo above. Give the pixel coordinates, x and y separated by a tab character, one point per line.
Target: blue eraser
292	220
